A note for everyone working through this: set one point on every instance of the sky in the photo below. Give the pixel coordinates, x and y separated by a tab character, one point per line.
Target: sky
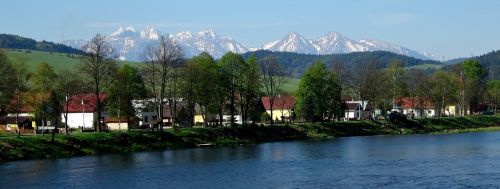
451	28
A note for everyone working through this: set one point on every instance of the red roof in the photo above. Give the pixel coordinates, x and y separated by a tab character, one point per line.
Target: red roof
280	102
89	105
412	102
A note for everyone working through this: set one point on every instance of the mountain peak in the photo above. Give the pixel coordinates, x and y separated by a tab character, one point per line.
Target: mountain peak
150	33
127	31
208	33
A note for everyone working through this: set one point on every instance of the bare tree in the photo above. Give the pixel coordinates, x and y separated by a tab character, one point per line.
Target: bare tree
99	65
162	60
68	83
273	80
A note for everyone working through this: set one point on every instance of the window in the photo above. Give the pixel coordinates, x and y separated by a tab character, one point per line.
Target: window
146	119
155	117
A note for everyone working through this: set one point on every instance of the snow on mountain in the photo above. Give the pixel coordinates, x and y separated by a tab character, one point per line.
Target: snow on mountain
208	41
335	43
293	42
130	44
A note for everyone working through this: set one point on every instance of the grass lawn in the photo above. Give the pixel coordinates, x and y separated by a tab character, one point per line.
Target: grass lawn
57	60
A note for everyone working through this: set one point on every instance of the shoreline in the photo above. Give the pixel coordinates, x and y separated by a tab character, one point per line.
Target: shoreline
84	144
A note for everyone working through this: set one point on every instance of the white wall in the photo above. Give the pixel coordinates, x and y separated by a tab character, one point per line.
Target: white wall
76	120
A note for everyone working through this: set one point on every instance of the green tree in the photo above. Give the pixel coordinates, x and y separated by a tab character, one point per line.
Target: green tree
42	85
318	96
127	86
473	82
493	87
7	81
250	88
443	91
232	66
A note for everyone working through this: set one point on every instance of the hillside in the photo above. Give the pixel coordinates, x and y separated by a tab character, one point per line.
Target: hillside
8	41
295	64
57	60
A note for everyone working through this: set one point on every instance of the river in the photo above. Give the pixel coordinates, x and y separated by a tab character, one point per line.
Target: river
418	161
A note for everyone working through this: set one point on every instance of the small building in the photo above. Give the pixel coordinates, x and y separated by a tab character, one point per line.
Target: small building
283	107
414	107
11	124
82	110
122	124
357	110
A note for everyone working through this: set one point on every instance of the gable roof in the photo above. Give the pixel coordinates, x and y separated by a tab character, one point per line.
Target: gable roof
413	102
280	102
90	103
352	106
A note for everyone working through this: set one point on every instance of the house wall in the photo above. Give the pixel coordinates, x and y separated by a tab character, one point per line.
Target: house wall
277	114
117	126
147	118
77	120
198	119
21	114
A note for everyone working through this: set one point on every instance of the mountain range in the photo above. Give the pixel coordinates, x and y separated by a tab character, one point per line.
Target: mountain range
130	44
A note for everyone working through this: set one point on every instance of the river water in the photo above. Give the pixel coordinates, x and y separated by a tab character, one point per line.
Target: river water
418	161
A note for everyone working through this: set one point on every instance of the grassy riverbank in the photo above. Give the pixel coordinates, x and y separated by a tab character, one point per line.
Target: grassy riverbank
40	147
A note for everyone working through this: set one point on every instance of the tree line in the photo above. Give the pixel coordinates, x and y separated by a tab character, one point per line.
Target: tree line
233	85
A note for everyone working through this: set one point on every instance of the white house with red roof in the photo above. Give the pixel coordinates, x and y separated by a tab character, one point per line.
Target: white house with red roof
82	109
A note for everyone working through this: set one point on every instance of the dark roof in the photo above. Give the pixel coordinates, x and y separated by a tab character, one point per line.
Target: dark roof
12	119
90	103
280	102
353	106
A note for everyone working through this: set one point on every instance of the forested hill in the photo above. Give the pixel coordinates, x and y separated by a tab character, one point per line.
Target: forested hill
295	64
9	41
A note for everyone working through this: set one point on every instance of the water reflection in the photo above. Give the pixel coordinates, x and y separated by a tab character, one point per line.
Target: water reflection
459	160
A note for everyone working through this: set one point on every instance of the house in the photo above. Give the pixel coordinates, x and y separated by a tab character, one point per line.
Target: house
356	109
122	123
283	107
415	107
145	110
11	124
82	110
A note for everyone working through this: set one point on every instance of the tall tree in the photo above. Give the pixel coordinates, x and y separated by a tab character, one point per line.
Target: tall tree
98	64
272	80
250	88
232	66
474	75
163	60
22	76
396	74
42	85
7	81
493	87
68	83
443	91
128	85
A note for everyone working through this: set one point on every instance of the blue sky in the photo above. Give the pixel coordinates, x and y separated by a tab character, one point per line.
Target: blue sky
450	28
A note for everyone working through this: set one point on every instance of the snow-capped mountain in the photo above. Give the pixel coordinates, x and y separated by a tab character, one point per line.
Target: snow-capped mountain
207	41
293	42
130	44
335	43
